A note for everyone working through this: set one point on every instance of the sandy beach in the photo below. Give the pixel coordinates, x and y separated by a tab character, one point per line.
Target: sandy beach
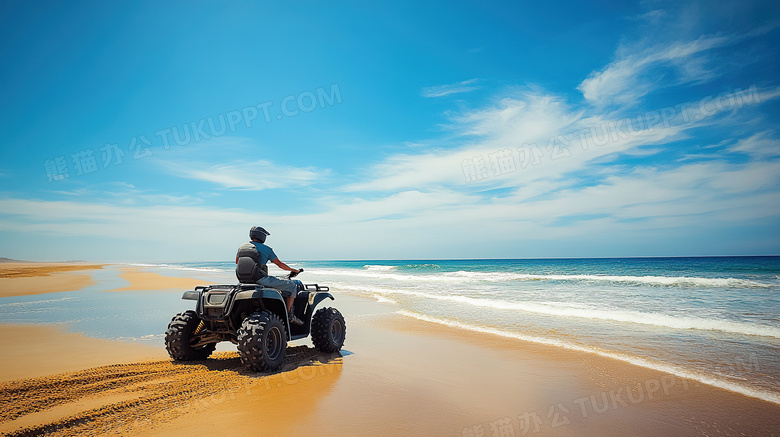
22	279
140	280
400	218
395	376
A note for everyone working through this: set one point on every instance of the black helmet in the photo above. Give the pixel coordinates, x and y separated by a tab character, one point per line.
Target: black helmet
258	233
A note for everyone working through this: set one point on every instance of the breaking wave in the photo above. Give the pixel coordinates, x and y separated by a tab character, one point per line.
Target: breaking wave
622	316
379	268
389	272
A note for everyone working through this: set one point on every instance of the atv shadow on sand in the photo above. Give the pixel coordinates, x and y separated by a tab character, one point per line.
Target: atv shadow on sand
297	357
255	319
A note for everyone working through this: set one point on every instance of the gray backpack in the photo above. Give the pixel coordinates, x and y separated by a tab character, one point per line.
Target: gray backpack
248	267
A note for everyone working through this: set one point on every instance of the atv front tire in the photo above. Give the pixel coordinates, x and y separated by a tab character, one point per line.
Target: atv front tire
179	334
328	330
262	341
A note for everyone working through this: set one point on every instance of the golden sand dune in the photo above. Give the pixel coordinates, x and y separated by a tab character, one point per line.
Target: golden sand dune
134	397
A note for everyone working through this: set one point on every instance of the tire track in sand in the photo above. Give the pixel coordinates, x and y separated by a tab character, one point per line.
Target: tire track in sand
126	398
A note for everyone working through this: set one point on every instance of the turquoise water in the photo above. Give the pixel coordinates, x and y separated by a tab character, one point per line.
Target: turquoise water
713	319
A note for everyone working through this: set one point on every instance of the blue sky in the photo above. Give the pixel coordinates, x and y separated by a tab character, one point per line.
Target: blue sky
162	131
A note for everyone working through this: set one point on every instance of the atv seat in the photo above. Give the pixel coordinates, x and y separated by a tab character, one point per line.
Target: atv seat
251	286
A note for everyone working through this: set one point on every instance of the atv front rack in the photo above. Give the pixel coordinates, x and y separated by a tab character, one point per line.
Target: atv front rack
306	287
317	287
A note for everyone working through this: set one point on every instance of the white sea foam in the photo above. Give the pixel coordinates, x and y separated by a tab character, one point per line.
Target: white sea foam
382	299
647	280
388	272
563	309
197	269
379	268
638	361
180	267
148	337
421	266
36	302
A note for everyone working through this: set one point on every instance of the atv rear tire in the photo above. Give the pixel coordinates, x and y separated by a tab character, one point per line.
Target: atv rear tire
262	341
178	335
328	330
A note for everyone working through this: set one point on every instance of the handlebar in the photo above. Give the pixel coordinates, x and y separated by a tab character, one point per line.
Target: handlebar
314	288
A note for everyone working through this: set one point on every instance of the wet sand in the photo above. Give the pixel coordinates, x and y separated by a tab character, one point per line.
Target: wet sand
406	377
135	396
24	279
397	376
140	280
35	351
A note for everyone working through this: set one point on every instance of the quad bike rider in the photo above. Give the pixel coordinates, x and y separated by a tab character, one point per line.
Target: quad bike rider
260	314
251	266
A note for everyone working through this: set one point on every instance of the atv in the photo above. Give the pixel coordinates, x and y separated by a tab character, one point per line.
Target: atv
255	319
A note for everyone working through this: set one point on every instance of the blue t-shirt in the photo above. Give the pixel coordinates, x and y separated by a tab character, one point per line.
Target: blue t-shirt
266	253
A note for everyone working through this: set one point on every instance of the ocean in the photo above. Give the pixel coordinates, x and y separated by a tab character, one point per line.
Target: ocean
713	319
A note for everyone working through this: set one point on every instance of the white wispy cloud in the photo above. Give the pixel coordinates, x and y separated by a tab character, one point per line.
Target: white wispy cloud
455	88
521	117
421	201
652	16
589	189
127	194
418	203
656	61
524	120
238	175
759	146
638	72
636	206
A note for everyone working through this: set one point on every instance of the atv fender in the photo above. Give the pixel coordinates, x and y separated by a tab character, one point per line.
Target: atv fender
191	295
319	297
194	294
271	300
